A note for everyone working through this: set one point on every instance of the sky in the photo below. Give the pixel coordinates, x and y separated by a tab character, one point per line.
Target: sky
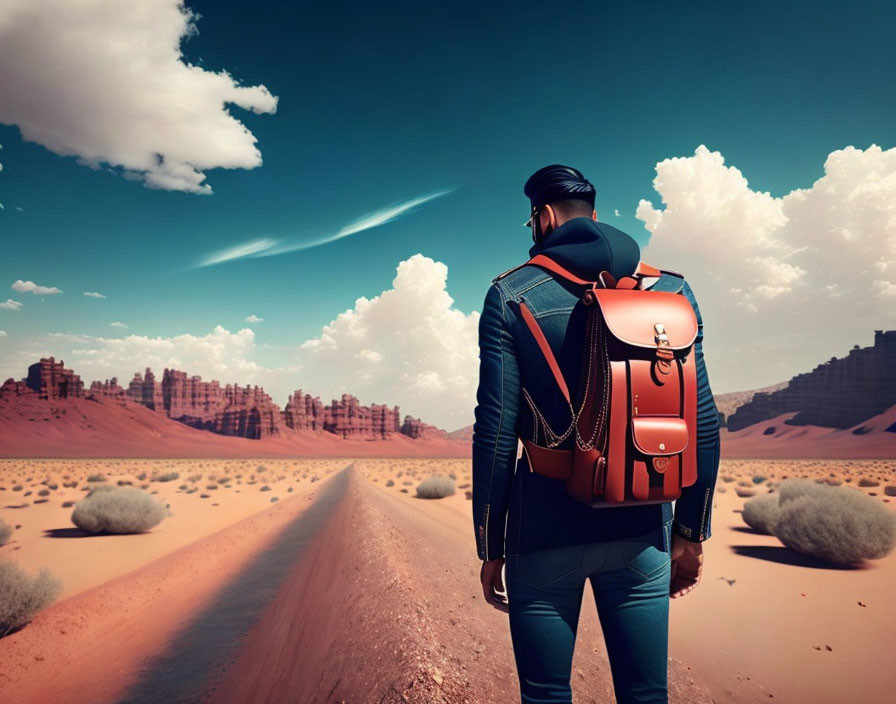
318	198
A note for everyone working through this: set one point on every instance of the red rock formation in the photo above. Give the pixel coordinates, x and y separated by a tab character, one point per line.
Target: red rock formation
304	412
232	410
11	388
145	391
246	412
108	389
51	380
839	393
416	428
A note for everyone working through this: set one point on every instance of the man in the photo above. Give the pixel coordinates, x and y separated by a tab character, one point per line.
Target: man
635	557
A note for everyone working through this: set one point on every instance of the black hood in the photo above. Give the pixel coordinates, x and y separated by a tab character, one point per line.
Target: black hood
587	247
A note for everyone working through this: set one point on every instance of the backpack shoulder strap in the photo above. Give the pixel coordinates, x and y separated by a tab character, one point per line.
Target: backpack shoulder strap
545	348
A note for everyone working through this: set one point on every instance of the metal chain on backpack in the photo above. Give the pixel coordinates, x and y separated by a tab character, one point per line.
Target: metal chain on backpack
600	428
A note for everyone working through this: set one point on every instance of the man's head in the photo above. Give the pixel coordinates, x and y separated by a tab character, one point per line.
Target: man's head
557	193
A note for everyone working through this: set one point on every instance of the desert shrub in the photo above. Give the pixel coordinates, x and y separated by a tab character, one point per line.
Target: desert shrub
18	487
52	485
22	596
142	476
265	488
5	532
836	524
118	510
743	491
390	483
211	487
761	512
96	478
167	477
799	486
274	498
759	478
890	490
68	504
868	482
435	487
43	492
124	482
726	478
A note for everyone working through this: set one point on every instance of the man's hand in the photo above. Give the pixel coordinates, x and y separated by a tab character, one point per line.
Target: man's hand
492	583
687	565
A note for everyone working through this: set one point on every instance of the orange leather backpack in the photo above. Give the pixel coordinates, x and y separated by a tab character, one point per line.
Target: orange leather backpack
636	428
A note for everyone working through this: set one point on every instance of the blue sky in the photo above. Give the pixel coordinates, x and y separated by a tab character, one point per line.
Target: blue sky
379	104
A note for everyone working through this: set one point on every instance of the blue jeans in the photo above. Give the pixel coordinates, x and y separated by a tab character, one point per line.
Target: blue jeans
630	579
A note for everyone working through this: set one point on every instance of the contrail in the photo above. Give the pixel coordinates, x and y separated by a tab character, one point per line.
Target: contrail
271	247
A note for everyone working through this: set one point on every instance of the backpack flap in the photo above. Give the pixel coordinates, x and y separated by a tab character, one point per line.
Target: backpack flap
632	317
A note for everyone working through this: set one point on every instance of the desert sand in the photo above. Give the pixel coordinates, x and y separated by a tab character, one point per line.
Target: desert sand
348	589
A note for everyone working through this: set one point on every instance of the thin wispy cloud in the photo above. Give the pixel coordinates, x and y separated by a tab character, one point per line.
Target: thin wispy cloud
254	319
118	324
270	247
93	294
241	251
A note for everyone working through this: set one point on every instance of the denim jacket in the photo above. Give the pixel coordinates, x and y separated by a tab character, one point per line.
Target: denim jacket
515	510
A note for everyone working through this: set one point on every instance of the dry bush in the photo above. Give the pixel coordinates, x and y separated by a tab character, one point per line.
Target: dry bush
114	509
166	477
5	532
743	491
22	596
889	490
868	482
435	487
761	512
390	483
837	524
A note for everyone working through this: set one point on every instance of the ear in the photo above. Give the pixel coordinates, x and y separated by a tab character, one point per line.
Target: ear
552	216
594	215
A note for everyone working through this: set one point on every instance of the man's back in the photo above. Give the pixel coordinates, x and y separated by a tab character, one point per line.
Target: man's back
518	397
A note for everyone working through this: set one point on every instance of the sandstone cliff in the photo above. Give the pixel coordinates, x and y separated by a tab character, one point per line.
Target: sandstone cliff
839	393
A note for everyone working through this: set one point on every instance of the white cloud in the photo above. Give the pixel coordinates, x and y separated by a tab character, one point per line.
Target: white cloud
254	319
118	324
408	346
106	82
791	281
2	333
93	294
31	287
11	305
616	213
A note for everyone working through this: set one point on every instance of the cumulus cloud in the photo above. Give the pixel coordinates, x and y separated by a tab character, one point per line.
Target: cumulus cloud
31	287
106	82
118	324
254	319
2	333
11	305
220	354
785	282
407	346
93	294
